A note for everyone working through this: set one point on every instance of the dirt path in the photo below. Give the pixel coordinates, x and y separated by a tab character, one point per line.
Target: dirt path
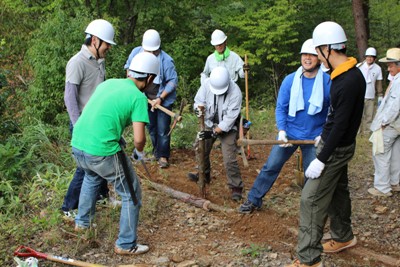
182	235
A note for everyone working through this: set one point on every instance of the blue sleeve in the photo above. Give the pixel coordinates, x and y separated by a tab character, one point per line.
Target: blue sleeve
282	104
134	52
170	75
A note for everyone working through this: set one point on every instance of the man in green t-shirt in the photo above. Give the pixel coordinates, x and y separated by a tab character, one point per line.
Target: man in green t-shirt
116	104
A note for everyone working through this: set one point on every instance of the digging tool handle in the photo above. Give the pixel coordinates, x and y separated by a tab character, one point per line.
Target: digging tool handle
167	111
244	142
124	162
23	251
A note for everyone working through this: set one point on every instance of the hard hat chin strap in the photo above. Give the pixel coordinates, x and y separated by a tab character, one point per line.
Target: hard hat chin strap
97	48
326	58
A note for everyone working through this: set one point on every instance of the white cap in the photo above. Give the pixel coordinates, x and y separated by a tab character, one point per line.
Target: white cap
308	48
219	80
143	64
101	29
218	37
329	33
151	40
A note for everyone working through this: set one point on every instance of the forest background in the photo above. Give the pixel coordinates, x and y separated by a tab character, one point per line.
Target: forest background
38	37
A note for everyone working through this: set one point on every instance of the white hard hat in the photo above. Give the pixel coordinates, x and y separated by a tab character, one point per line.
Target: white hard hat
151	40
329	33
218	37
308	48
370	52
102	29
219	80
143	64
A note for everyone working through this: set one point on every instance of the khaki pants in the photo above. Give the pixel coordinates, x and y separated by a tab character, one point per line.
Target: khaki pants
325	196
229	153
368	115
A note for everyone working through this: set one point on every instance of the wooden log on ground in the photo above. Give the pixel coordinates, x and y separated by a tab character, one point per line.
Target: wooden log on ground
188	198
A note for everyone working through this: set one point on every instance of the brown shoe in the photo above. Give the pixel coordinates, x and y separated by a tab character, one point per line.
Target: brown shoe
136	250
333	246
297	263
163	162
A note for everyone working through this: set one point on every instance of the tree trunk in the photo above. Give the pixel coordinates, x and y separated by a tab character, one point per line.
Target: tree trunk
360	14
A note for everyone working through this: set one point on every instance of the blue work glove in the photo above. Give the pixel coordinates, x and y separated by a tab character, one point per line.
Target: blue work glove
137	155
283	137
315	169
206	135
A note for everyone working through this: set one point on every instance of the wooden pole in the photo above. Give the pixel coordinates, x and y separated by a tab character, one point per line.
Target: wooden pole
201	155
246	80
244	142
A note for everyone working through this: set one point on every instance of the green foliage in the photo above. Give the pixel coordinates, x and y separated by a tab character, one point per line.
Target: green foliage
254	250
184	134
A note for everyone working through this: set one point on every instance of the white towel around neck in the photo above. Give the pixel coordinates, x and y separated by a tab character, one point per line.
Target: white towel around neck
316	100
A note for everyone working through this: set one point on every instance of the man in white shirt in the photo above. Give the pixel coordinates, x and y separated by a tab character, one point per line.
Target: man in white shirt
373	77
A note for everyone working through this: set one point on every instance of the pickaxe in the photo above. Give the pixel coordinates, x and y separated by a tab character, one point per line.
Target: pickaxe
176	117
23	251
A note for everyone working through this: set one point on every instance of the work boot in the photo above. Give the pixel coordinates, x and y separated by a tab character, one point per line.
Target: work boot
194	177
297	263
237	193
333	246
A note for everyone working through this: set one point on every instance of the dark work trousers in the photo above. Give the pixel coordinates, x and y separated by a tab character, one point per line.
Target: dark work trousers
326	196
229	154
71	199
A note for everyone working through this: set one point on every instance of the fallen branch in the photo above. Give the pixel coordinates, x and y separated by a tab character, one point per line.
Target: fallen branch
188	198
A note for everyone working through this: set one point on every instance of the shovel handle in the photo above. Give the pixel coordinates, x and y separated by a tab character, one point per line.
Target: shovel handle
165	110
244	142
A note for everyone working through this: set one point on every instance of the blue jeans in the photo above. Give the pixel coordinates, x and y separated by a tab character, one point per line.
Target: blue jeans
158	128
272	167
109	168
71	199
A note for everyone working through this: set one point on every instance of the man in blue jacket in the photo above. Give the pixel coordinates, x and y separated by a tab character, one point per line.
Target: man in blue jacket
163	92
301	111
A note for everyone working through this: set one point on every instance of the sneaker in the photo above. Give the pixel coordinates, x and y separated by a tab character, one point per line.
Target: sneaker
80	228
163	162
396	188
333	246
247	207
237	193
375	192
70	215
194	177
136	250
297	263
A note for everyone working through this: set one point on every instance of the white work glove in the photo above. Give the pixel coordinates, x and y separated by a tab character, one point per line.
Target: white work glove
283	137
379	100
137	155
315	169
316	140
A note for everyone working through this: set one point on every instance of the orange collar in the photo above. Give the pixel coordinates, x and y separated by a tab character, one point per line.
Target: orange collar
345	66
